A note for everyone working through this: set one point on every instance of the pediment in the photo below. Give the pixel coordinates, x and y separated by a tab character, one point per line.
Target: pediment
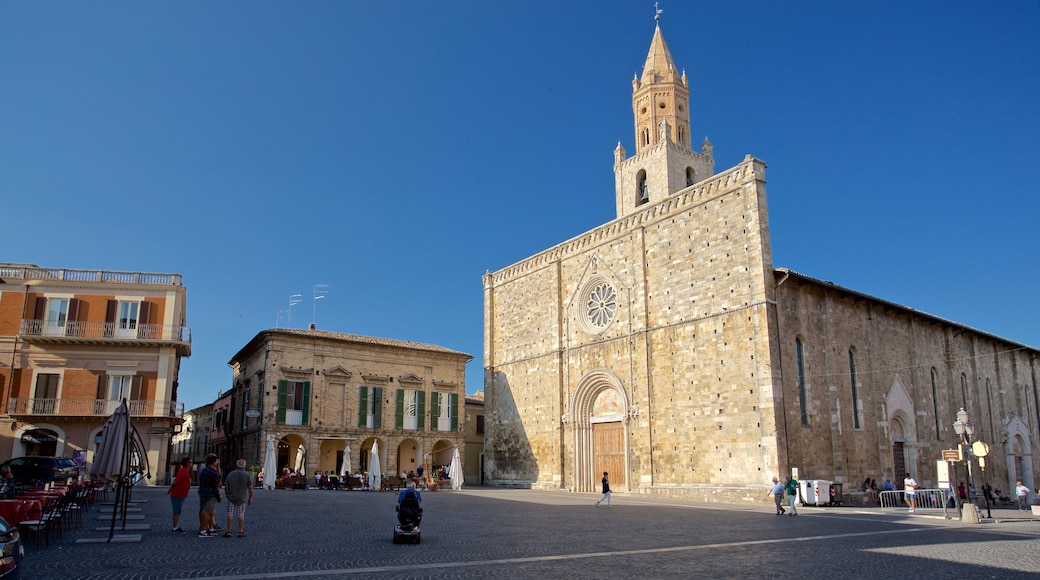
373	378
296	371
338	371
410	379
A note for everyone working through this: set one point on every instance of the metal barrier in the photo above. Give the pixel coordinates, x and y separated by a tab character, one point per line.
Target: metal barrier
933	500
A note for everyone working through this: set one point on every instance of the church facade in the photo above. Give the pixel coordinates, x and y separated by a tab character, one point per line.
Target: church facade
663	347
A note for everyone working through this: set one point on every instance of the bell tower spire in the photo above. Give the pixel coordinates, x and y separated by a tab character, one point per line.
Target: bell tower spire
664	160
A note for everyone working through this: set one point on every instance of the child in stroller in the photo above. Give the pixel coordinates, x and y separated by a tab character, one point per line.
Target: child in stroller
409	514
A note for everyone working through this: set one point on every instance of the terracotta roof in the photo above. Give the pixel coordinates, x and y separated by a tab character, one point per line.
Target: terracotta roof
359	339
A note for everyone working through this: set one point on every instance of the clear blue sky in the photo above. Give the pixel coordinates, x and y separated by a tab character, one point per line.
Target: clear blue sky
397	150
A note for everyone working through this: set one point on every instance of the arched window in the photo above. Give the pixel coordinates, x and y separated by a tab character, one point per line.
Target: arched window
642	192
646	136
799	356
855	394
935	403
690	180
964	391
682	136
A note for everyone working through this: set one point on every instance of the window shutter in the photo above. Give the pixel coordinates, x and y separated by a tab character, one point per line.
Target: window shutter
41	310
435	410
283	386
135	388
420	410
306	401
399	411
102	387
363	408
71	328
143	318
110	318
454	402
377	394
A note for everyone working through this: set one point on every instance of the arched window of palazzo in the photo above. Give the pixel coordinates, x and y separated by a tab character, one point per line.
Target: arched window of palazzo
855	394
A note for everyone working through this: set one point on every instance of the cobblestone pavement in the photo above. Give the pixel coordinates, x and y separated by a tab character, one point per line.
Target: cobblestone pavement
483	532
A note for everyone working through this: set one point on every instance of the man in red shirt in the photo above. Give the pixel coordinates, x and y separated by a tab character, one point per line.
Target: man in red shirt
178	491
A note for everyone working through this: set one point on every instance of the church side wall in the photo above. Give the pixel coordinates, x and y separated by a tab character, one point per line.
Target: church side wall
895	354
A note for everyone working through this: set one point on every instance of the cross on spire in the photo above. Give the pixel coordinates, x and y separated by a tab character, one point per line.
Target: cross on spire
657	12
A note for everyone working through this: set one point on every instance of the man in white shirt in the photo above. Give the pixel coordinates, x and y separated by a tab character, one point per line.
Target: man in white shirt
909	492
1023	495
778	495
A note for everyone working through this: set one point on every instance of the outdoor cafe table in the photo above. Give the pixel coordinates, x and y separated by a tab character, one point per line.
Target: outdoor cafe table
15	511
45	497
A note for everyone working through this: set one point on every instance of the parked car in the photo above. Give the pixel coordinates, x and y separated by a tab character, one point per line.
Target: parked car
33	468
11	551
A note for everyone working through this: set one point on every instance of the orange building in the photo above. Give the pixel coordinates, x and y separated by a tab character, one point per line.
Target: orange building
73	344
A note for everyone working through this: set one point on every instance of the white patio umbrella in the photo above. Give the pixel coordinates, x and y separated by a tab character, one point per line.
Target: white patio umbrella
455	470
374	479
301	459
344	471
270	464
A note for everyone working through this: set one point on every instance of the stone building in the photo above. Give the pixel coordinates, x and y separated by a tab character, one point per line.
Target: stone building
473	459
327	396
74	344
665	348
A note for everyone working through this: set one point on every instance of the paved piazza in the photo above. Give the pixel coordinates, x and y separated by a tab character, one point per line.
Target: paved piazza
526	534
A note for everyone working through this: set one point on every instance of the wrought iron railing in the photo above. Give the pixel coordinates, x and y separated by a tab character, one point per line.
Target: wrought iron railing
92	407
81	329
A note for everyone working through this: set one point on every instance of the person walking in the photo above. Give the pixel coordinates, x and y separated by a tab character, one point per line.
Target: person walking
178	491
777	490
209	495
792	494
910	492
1023	495
606	490
238	487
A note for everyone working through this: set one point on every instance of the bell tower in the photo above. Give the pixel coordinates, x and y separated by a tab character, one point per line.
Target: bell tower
664	161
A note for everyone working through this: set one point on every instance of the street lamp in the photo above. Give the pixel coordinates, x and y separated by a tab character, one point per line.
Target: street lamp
965	429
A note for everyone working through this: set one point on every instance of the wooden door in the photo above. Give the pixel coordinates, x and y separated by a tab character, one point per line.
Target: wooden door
898	464
608	452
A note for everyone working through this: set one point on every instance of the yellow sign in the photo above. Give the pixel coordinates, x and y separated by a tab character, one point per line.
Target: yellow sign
952	455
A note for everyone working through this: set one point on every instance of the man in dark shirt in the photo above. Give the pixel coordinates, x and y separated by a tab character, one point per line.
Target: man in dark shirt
209	495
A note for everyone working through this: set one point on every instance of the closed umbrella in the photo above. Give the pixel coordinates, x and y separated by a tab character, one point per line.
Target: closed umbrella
455	470
374	480
301	461
270	464
111	461
344	470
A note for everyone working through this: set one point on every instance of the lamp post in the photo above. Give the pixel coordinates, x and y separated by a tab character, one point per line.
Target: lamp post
965	429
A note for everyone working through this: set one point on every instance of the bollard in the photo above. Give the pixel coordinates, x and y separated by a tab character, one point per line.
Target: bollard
970	514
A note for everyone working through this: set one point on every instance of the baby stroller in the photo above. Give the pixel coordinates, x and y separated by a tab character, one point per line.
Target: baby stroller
409	514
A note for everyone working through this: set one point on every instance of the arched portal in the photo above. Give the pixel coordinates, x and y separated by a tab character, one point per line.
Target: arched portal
600	423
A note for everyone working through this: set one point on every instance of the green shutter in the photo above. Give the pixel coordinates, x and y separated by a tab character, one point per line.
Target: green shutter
377	394
283	386
435	409
363	408
399	412
454	402
306	401
420	410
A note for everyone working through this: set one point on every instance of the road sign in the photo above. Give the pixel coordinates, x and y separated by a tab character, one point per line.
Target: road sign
952	455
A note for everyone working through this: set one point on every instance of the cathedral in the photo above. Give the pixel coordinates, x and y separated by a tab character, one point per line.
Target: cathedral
665	348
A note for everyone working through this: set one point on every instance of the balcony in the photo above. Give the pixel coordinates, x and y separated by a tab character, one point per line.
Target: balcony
106	333
91	408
